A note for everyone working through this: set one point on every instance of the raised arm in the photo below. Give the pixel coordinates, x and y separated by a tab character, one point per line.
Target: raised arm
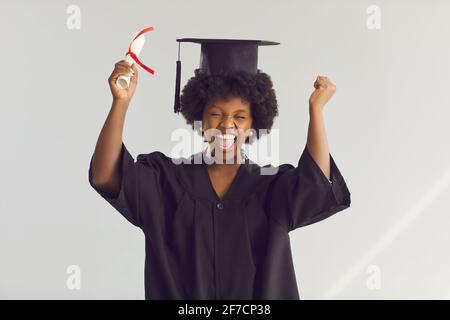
105	161
315	189
317	143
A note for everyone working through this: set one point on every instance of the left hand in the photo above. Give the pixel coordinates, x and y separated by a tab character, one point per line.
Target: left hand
324	90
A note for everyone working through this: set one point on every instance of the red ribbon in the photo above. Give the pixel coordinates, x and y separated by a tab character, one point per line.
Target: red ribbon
134	56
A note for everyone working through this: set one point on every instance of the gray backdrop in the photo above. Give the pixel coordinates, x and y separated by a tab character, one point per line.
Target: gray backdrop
387	129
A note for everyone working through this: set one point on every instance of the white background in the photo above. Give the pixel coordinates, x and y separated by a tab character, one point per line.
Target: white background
387	129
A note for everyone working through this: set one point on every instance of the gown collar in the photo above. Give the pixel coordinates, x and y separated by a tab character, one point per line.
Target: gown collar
199	183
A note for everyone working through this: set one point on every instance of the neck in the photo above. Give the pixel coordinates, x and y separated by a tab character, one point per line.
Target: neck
238	159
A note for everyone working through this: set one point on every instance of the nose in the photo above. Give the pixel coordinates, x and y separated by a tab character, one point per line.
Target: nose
227	122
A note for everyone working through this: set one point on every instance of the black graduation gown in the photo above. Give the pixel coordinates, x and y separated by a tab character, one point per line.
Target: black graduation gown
199	246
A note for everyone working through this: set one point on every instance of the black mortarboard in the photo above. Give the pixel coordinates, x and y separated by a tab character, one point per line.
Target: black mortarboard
222	56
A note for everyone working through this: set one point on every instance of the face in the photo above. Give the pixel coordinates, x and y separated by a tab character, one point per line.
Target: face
226	124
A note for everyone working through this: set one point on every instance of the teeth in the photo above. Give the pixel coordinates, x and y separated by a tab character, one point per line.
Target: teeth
226	141
226	136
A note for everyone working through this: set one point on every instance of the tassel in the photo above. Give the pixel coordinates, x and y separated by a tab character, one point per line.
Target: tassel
177	88
176	107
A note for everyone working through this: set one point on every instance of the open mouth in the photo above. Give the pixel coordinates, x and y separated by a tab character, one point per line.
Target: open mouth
226	142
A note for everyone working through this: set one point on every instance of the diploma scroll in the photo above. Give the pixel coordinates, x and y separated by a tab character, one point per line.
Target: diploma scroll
136	46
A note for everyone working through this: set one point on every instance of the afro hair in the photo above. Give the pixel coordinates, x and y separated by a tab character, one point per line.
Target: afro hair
256	89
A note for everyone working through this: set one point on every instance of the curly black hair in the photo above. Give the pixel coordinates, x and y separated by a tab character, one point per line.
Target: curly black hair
255	89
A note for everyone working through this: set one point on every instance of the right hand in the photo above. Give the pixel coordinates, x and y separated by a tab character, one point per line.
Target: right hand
122	68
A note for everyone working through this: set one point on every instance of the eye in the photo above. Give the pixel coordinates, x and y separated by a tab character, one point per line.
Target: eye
214	114
241	117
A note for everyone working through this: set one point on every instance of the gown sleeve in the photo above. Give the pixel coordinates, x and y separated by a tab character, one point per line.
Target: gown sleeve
303	195
126	202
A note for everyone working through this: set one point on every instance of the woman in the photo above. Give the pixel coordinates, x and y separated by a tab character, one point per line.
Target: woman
219	230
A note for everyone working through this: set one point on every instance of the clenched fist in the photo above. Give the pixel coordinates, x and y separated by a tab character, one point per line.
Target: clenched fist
324	90
122	68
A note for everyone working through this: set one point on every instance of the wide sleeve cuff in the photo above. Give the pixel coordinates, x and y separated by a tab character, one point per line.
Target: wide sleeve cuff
127	199
303	195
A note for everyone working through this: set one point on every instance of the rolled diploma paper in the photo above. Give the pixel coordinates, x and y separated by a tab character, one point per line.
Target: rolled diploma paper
136	46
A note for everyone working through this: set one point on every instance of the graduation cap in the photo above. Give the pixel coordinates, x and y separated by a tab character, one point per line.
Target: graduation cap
222	56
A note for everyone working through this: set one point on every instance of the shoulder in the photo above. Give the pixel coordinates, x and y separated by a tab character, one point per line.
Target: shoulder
263	176
151	158
268	170
158	159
